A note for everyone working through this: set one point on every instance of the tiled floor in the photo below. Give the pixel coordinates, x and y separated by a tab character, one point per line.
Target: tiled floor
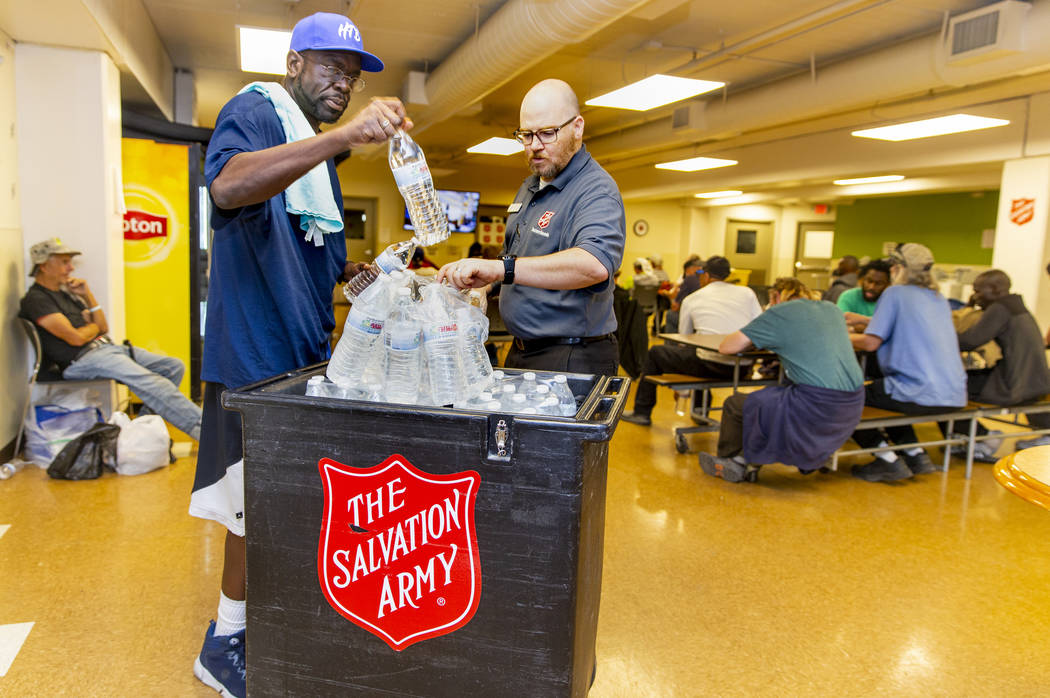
799	586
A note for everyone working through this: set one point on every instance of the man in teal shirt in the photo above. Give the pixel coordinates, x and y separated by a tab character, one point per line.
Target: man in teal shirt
859	303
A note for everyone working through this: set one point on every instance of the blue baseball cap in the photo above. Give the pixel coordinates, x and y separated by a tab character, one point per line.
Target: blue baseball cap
325	31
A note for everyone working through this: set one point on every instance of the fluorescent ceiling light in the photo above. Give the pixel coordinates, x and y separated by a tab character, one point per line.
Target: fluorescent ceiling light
719	194
694	164
868	180
654	91
264	50
497	146
926	128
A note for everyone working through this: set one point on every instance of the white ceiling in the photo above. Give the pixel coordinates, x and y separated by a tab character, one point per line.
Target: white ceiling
763	49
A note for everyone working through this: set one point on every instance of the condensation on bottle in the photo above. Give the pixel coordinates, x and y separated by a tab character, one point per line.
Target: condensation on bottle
409	166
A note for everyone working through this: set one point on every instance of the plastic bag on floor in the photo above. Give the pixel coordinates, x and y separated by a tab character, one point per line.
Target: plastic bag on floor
50	427
143	444
84	457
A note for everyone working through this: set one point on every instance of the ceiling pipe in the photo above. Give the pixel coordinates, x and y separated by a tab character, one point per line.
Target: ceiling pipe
888	74
516	37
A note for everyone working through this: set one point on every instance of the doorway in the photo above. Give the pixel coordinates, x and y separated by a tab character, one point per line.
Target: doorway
813	254
359	221
749	246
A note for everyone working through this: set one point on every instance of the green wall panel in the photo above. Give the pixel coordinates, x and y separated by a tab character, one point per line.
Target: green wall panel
951	225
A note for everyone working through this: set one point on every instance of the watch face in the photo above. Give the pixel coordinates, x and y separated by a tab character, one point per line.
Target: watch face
641	227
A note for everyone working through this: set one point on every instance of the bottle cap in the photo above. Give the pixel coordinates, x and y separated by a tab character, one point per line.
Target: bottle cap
530	376
560	378
509	388
543	389
517	397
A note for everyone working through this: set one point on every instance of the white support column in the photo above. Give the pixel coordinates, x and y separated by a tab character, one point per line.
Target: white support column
69	162
1022	232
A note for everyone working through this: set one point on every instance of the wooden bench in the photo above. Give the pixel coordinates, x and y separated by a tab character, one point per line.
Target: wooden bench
681	381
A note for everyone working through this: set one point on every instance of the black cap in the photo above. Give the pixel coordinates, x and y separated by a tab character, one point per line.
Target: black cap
717	267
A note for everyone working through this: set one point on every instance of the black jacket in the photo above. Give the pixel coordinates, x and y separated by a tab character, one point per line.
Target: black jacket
1022	374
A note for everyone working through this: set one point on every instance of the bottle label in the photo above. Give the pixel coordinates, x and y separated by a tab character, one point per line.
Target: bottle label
363	321
441	330
388	262
404	339
411	174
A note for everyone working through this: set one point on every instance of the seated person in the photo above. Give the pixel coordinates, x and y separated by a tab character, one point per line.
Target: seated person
1021	375
859	303
806	420
72	327
688	283
716	308
913	334
644	286
843	278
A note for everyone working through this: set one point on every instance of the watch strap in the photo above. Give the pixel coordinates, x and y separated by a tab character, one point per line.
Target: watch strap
508	268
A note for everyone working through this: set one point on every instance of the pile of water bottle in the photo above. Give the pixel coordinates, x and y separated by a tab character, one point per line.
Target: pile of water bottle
412	341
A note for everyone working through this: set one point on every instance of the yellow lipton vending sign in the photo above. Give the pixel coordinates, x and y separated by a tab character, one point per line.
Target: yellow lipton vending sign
157	247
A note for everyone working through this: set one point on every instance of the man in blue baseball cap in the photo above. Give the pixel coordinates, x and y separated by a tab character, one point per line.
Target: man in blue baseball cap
278	252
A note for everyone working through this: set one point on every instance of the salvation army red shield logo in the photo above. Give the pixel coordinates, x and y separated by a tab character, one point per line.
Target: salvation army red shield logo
397	553
1022	211
545	219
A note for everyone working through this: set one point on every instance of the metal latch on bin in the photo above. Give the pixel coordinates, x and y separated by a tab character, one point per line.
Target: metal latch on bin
500	444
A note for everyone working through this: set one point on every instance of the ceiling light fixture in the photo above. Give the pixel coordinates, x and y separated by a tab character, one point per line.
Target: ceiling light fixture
654	91
497	146
264	50
719	194
694	164
868	180
927	128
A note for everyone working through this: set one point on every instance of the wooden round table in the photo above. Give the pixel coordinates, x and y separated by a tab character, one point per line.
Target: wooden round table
1027	474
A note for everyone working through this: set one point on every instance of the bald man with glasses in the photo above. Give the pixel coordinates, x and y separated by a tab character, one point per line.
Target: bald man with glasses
565	238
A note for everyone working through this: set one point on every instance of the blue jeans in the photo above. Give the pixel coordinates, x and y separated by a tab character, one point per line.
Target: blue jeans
153	377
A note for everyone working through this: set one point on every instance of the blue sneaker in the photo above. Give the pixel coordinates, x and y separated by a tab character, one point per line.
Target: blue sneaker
220	664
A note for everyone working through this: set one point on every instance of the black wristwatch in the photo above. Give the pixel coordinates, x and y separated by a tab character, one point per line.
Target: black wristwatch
508	268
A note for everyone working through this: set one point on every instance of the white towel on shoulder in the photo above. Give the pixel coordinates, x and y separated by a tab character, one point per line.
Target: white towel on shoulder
309	197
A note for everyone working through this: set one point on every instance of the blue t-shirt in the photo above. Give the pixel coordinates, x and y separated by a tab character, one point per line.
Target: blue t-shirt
269	291
581	207
919	355
811	340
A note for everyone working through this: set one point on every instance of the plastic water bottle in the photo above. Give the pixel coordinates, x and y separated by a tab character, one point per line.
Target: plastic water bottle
566	400
393	258
538	396
477	371
518	402
506	393
528	385
412	175
441	346
681	402
364	323
550	406
7	470
403	360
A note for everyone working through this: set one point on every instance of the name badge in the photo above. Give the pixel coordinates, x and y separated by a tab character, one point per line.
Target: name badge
514	207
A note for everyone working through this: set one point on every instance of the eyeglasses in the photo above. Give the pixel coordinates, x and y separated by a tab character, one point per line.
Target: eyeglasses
333	74
546	135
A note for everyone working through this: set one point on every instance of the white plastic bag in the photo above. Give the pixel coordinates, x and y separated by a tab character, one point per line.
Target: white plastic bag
143	444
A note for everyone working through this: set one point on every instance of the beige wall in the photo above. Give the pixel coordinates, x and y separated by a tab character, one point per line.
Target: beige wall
13	369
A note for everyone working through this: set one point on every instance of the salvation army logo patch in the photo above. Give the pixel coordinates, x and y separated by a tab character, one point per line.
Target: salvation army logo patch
545	219
398	553
1022	211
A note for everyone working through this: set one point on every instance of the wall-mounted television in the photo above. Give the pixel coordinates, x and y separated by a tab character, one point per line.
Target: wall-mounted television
461	209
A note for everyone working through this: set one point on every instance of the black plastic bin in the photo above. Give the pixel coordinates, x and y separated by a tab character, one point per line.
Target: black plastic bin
402	550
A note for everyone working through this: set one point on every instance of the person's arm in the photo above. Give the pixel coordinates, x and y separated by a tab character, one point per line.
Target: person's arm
93	312
253	177
60	326
856	322
865	342
992	323
566	270
734	343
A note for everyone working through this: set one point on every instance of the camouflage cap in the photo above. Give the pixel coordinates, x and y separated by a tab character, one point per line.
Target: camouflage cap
39	253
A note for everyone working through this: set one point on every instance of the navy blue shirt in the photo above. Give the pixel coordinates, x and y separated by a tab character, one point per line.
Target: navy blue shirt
269	292
581	207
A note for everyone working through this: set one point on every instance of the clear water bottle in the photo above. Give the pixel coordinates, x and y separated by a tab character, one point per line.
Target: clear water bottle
518	402
681	402
566	400
528	385
441	346
477	371
505	394
550	406
7	470
364	324
393	258
403	352
412	175
538	396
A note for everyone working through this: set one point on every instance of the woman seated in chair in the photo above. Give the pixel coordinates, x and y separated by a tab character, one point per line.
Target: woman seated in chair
806	420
